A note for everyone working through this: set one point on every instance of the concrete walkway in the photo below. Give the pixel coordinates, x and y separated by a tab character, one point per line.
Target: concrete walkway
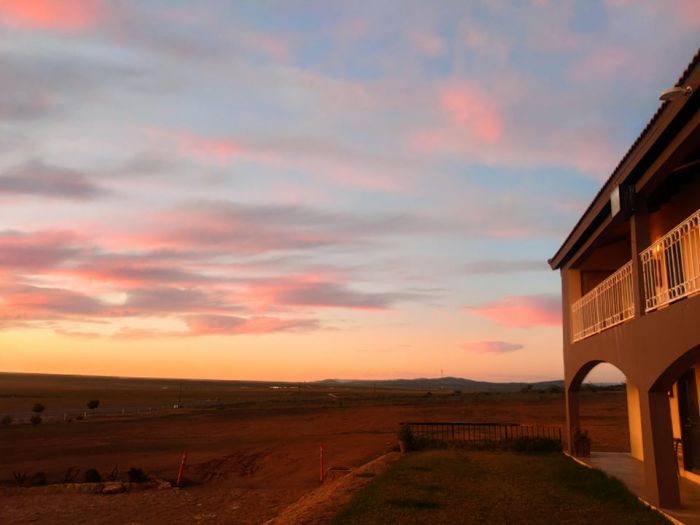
631	472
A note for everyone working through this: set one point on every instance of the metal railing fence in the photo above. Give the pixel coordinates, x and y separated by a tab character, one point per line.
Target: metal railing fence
482	432
608	304
671	265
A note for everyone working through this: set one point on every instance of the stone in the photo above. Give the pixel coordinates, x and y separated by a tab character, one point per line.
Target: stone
113	487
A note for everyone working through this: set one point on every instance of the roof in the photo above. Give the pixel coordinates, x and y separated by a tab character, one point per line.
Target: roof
578	230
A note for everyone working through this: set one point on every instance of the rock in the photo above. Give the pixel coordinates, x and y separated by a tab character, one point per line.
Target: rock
113	487
161	484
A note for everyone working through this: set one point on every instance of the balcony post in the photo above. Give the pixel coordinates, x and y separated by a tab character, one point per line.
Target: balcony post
639	232
571	291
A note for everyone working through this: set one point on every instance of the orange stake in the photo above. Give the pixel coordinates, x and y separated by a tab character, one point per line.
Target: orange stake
181	470
321	476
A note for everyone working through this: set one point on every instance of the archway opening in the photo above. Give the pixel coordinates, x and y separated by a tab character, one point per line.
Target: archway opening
681	383
608	409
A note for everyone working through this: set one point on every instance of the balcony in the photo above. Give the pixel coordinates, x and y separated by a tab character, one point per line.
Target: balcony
671	265
608	304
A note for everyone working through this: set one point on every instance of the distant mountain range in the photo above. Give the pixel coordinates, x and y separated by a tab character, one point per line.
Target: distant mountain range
442	383
423	383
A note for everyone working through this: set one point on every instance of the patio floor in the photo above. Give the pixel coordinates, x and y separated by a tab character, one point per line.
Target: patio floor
631	472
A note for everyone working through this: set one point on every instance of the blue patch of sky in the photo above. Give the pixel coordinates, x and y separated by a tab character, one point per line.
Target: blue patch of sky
590	17
545	180
550	69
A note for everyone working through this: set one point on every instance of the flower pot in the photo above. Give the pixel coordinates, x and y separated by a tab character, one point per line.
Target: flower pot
582	449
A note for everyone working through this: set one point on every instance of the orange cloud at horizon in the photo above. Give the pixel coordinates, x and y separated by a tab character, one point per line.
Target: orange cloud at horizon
378	350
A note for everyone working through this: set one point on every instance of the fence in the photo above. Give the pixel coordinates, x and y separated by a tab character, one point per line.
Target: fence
608	304
482	432
671	265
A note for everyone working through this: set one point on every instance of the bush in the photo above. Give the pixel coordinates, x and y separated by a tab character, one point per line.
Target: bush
19	477
582	443
7	420
137	475
71	475
405	436
93	404
35	419
92	476
38	479
38	408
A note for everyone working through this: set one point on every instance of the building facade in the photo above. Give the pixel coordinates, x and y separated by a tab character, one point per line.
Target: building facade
630	272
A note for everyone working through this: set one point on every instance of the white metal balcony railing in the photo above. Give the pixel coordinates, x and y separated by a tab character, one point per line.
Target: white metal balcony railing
608	304
671	265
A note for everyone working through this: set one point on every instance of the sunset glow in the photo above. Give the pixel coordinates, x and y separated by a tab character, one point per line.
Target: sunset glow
260	190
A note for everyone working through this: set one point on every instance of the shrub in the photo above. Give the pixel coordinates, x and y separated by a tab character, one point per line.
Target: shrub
7	420
137	475
38	408
20	477
93	404
38	479
405	436
35	419
71	475
582	443
92	476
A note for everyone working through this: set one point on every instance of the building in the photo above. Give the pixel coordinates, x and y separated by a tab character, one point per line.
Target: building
630	273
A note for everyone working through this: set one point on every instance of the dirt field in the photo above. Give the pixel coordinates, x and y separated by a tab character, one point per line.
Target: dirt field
249	459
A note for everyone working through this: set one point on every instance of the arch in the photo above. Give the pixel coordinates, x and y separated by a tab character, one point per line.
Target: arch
576	381
574	405
664	381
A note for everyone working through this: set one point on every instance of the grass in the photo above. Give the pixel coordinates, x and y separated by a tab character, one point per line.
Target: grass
453	486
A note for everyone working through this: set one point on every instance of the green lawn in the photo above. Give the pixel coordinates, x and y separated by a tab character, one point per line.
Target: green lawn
453	486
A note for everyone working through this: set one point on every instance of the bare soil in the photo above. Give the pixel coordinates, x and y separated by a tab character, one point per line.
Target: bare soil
246	465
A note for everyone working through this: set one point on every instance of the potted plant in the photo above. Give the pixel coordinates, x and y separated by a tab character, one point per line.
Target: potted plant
582	443
405	436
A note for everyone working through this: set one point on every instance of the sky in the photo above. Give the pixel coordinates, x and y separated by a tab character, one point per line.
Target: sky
303	190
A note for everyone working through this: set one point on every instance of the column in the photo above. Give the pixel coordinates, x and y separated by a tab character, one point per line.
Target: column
639	233
660	474
573	417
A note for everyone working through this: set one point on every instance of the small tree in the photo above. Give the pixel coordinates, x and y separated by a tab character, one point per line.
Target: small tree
35	419
92	475
7	420
93	404
38	408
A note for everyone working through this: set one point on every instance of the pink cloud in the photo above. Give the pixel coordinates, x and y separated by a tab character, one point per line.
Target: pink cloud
317	292
208	148
60	15
270	45
521	311
602	62
351	30
135	271
469	107
491	347
230	325
688	11
34	302
427	44
21	251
